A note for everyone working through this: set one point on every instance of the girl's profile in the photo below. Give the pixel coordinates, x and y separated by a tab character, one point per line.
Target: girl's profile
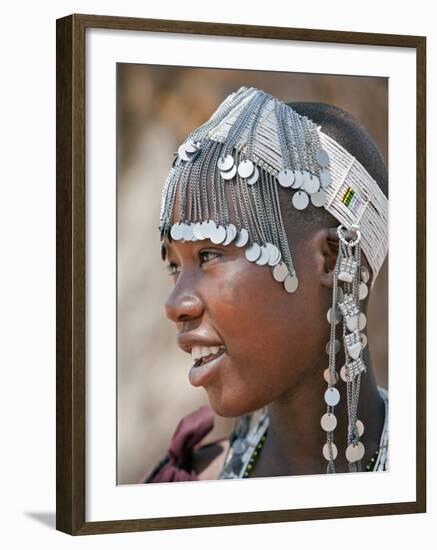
273	227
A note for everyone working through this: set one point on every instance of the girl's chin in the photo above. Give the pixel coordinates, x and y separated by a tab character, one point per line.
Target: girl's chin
231	407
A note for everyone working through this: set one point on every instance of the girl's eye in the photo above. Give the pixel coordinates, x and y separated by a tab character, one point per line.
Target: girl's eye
204	255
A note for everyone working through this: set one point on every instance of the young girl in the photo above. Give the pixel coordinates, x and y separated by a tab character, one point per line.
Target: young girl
274	226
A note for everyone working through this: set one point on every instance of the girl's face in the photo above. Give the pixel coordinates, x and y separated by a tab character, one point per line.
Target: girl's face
272	339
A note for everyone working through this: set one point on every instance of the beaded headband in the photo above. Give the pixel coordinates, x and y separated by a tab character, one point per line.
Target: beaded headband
250	144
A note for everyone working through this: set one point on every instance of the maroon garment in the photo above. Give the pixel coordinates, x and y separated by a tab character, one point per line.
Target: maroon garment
176	465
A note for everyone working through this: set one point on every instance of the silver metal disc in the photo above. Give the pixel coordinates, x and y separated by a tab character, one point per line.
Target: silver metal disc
254	177
246	168
365	275
322	158
328	379
300	200
226	163
290	283
231	232
176	231
219	235
355	452
286	177
182	152
363	340
328	422
229	174
362	321
332	397
298	179
325	451
337	316
363	291
265	255
197	231
275	255
360	427
337	347
187	232
343	373
280	272
325	178
242	238
319	198
311	183
239	446
190	147
253	252
208	229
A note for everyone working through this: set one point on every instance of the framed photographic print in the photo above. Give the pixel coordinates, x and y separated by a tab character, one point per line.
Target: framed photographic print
241	275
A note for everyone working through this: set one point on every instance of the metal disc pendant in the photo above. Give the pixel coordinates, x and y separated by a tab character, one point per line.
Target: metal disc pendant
187	232
362	321
322	158
208	229
253	252
337	316
328	422
325	451
365	275
360	427
242	238
343	373
325	178
254	177
298	179
219	235
225	164
337	346
290	283
363	291
300	200
239	446
275	255
231	232
332	397
265	255
286	177
318	199
190	147
363	340
332	380
229	174
280	272
176	231
311	183
355	452
246	168
182	152
197	231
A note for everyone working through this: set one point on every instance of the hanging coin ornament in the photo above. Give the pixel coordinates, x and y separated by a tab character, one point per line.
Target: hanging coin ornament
332	397
337	316
265	255
311	183
363	340
362	321
228	175
363	291
286	177
326	453
337	347
253	252
246	168
328	422
290	283
275	255
355	452
360	427
254	177
242	238
322	158
208	229
325	178
231	233
343	373
187	232
176	231
332	380
300	200
365	275
298	179
318	199
226	163
197	231
219	235
280	272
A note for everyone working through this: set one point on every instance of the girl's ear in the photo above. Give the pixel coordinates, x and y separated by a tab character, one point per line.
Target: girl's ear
329	250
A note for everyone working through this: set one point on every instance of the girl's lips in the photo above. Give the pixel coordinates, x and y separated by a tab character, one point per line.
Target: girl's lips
201	372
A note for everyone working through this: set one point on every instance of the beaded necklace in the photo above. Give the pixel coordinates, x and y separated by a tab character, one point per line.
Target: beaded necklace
370	466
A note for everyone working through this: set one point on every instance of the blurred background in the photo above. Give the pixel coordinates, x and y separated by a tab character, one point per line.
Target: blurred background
157	106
